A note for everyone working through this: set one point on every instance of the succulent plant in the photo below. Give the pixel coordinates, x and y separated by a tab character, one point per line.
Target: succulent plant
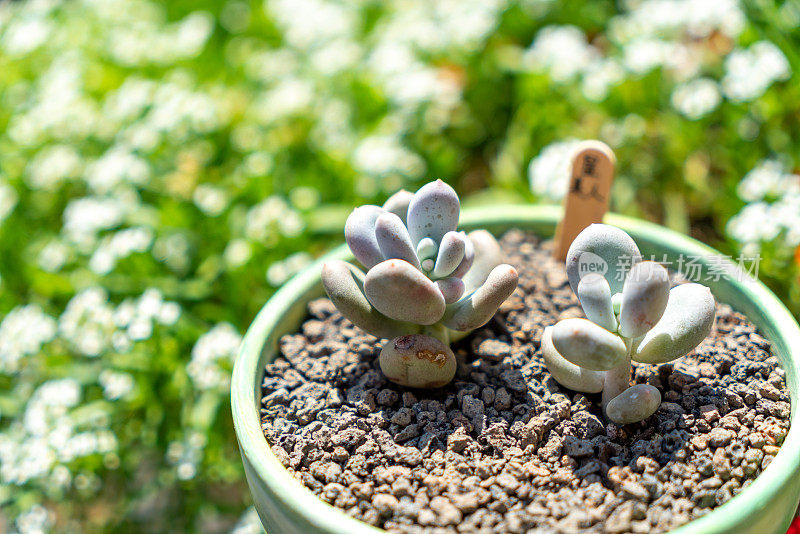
426	283
631	314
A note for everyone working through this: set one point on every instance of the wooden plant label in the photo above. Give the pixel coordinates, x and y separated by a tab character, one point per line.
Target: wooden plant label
587	198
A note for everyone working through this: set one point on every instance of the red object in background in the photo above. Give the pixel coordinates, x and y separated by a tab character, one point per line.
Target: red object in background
794	528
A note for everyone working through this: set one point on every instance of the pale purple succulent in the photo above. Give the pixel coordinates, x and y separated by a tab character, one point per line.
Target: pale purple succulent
424	278
631	314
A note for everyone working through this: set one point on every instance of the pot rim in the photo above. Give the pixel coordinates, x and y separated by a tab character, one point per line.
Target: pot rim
778	325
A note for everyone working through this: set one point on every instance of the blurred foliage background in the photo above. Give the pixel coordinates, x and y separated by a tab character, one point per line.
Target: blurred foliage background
165	166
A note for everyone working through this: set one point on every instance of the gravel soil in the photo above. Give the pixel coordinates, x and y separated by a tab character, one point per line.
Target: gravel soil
506	449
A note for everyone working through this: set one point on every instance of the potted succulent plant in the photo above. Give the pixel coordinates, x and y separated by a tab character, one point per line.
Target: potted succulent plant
284	505
419	268
631	313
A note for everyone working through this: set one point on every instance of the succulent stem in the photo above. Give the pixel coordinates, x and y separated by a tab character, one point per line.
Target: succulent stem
439	331
617	379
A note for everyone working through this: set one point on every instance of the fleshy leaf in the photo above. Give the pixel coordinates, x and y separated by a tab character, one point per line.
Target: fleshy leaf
344	284
469	256
603	249
393	239
487	256
686	321
644	298
401	292
359	232
418	361
567	373
451	252
452	289
427	249
635	404
588	345
433	212
476	309
398	204
594	295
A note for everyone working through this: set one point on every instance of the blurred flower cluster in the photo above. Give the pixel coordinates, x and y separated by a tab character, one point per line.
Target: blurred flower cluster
165	165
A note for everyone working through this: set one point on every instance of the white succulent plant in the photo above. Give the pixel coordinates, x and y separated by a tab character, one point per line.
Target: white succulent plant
631	314
426	283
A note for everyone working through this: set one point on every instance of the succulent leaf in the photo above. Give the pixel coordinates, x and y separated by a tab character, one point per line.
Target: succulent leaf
469	257
594	295
359	232
567	373
418	361
393	239
635	404
487	256
605	249
400	291
344	284
616	302
451	252
427	249
433	212
644	298
588	345
475	310
398	204
686	321
452	289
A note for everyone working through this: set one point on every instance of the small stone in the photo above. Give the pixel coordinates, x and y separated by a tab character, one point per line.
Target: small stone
768	391
402	417
472	407
447	514
384	503
493	350
577	447
635	490
709	412
458	441
514	380
502	400
719	437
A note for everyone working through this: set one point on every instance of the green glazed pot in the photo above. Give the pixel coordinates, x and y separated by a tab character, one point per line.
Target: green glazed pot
286	507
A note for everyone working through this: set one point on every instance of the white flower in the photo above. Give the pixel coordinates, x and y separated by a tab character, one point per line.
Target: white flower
212	357
53	256
115	384
23	331
85	217
754	223
280	271
383	154
749	72
88	322
561	50
210	199
289	97
270	218
311	23
117	166
599	76
52	165
36	520
696	98
767	179
237	253
549	172
773	215
121	245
